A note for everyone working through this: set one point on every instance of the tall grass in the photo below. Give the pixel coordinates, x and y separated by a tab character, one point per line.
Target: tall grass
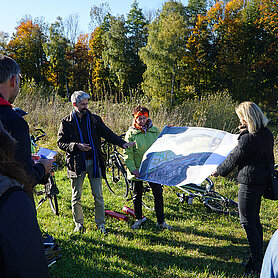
46	109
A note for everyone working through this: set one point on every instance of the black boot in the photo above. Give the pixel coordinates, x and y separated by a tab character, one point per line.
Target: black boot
252	269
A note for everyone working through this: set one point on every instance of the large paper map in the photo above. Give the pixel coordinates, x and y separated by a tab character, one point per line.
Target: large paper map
182	155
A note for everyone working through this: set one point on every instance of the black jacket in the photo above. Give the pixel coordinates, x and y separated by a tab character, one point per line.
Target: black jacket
253	156
68	137
21	244
19	129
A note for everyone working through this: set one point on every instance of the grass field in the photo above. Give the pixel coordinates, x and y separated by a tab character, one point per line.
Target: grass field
203	244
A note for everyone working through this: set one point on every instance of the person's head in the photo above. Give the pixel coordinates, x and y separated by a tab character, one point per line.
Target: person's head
9	78
79	100
140	115
251	115
8	166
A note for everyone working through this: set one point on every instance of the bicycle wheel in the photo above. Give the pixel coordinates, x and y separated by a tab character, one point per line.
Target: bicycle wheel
147	197
193	188
217	203
116	179
51	194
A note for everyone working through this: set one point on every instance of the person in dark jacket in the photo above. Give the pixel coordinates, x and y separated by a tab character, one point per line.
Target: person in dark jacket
14	123
255	160
21	244
79	136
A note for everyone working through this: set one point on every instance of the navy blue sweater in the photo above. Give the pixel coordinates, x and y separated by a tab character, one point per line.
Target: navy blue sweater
19	129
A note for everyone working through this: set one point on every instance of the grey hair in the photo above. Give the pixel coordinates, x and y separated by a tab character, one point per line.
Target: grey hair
8	68
77	96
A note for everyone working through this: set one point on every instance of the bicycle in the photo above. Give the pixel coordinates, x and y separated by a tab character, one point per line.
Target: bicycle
120	185
211	199
50	189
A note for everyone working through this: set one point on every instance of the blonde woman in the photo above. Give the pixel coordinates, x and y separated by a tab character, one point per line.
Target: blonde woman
253	156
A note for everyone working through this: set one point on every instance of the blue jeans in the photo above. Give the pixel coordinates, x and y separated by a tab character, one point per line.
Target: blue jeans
249	203
158	200
96	187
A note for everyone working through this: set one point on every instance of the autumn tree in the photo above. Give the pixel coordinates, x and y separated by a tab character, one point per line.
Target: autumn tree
228	50
26	47
79	72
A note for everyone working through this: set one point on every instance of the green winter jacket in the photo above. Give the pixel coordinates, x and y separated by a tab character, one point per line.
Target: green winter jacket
133	156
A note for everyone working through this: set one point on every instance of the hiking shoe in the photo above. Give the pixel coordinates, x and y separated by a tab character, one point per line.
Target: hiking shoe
164	226
79	228
138	222
102	229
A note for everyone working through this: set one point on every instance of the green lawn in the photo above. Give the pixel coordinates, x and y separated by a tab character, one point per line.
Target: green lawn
203	244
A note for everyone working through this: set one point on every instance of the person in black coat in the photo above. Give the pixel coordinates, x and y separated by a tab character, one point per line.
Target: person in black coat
21	244
14	123
80	136
255	160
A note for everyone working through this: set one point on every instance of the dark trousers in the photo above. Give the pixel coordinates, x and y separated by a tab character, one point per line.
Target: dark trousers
158	200
249	202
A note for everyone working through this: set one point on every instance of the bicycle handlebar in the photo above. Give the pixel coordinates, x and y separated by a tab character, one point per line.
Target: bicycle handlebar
35	139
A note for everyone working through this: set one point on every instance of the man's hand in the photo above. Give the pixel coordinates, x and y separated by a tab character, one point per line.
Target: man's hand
47	163
83	147
127	145
136	173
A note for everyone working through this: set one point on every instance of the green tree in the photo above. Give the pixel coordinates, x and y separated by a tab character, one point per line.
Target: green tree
194	9
136	24
165	48
115	52
99	73
4	37
56	49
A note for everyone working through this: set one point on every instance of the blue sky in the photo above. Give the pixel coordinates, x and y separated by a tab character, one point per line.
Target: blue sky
11	13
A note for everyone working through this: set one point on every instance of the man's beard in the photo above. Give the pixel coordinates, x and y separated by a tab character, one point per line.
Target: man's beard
83	111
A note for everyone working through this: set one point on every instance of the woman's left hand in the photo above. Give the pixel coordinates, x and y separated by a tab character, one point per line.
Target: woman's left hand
214	174
127	145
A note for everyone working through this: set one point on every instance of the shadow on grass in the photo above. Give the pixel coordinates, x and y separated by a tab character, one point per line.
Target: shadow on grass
111	260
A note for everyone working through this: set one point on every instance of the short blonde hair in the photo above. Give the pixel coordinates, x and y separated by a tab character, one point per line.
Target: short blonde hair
252	115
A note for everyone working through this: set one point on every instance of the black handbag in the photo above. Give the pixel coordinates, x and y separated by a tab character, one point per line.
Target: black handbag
271	192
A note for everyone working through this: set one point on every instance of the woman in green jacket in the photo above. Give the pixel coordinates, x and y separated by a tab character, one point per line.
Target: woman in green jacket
143	133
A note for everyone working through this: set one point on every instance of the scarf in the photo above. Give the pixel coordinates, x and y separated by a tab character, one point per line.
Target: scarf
144	128
95	155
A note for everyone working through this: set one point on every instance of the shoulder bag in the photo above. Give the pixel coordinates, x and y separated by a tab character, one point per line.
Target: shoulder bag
271	192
